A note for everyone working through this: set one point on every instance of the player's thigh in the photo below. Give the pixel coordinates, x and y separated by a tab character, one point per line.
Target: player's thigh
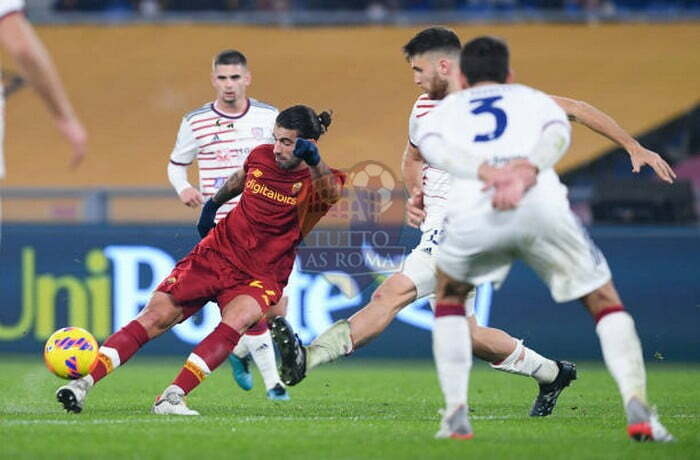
565	257
419	267
473	259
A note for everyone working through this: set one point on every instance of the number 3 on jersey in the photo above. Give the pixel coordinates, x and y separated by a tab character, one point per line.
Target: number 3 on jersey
485	105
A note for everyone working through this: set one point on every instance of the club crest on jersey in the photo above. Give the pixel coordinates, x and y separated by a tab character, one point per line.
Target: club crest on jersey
257	133
296	187
220	123
257	172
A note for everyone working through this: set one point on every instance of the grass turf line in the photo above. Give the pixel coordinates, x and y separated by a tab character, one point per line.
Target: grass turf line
357	409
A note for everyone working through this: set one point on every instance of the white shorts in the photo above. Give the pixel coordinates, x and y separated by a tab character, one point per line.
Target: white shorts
419	267
479	247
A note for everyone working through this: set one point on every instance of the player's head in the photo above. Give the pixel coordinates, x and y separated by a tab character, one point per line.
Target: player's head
230	77
434	56
296	121
485	59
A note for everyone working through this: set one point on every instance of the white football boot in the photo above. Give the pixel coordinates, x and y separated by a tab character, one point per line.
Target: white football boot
172	402
455	424
643	423
73	395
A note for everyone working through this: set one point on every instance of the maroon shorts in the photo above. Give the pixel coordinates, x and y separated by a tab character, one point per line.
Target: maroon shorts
205	275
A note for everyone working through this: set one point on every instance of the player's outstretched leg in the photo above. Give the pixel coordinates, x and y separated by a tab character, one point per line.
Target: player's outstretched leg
507	354
292	352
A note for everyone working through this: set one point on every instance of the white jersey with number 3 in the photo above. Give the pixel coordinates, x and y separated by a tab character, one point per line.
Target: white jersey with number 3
494	124
497	124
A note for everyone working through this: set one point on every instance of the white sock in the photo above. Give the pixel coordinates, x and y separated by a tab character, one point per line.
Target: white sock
622	353
330	345
241	349
452	349
527	362
263	354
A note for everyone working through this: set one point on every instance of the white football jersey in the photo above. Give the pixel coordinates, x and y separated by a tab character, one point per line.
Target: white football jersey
436	182
6	7
221	143
494	124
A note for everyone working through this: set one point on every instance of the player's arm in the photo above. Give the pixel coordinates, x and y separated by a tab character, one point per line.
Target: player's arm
412	172
182	156
325	182
231	189
20	41
602	123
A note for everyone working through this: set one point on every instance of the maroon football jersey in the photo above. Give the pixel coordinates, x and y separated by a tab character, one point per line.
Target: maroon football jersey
277	209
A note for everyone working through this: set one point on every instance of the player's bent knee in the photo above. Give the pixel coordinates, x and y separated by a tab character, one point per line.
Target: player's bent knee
241	313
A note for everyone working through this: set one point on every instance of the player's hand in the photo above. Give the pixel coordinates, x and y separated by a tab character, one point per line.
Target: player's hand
415	213
207	218
307	151
191	197
641	156
509	182
74	132
508	193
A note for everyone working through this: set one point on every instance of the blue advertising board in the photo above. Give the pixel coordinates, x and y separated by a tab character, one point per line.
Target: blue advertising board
99	277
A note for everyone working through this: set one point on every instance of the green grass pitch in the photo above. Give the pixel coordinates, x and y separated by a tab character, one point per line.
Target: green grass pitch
356	409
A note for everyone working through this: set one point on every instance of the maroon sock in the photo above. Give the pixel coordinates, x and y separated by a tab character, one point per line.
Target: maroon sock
207	356
449	309
118	348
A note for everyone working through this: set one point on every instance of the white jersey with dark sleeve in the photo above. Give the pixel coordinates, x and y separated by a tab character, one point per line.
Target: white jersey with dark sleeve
221	143
7	7
436	182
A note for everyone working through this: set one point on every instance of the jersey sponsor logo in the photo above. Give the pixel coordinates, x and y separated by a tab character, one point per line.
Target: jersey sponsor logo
257	188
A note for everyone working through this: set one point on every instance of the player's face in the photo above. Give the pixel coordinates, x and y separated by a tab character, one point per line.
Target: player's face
285	140
426	74
230	83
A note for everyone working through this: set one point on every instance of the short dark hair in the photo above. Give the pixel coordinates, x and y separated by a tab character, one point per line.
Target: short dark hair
485	59
305	121
230	57
434	38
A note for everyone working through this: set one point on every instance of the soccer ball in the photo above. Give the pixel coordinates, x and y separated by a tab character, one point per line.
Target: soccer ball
70	353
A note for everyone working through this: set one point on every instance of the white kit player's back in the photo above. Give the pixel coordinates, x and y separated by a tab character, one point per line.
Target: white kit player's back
494	124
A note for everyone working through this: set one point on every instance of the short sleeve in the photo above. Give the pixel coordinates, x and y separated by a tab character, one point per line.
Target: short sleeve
10	6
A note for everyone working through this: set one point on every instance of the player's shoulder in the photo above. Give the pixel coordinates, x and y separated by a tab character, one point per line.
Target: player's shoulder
262	106
261	154
423	105
199	112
